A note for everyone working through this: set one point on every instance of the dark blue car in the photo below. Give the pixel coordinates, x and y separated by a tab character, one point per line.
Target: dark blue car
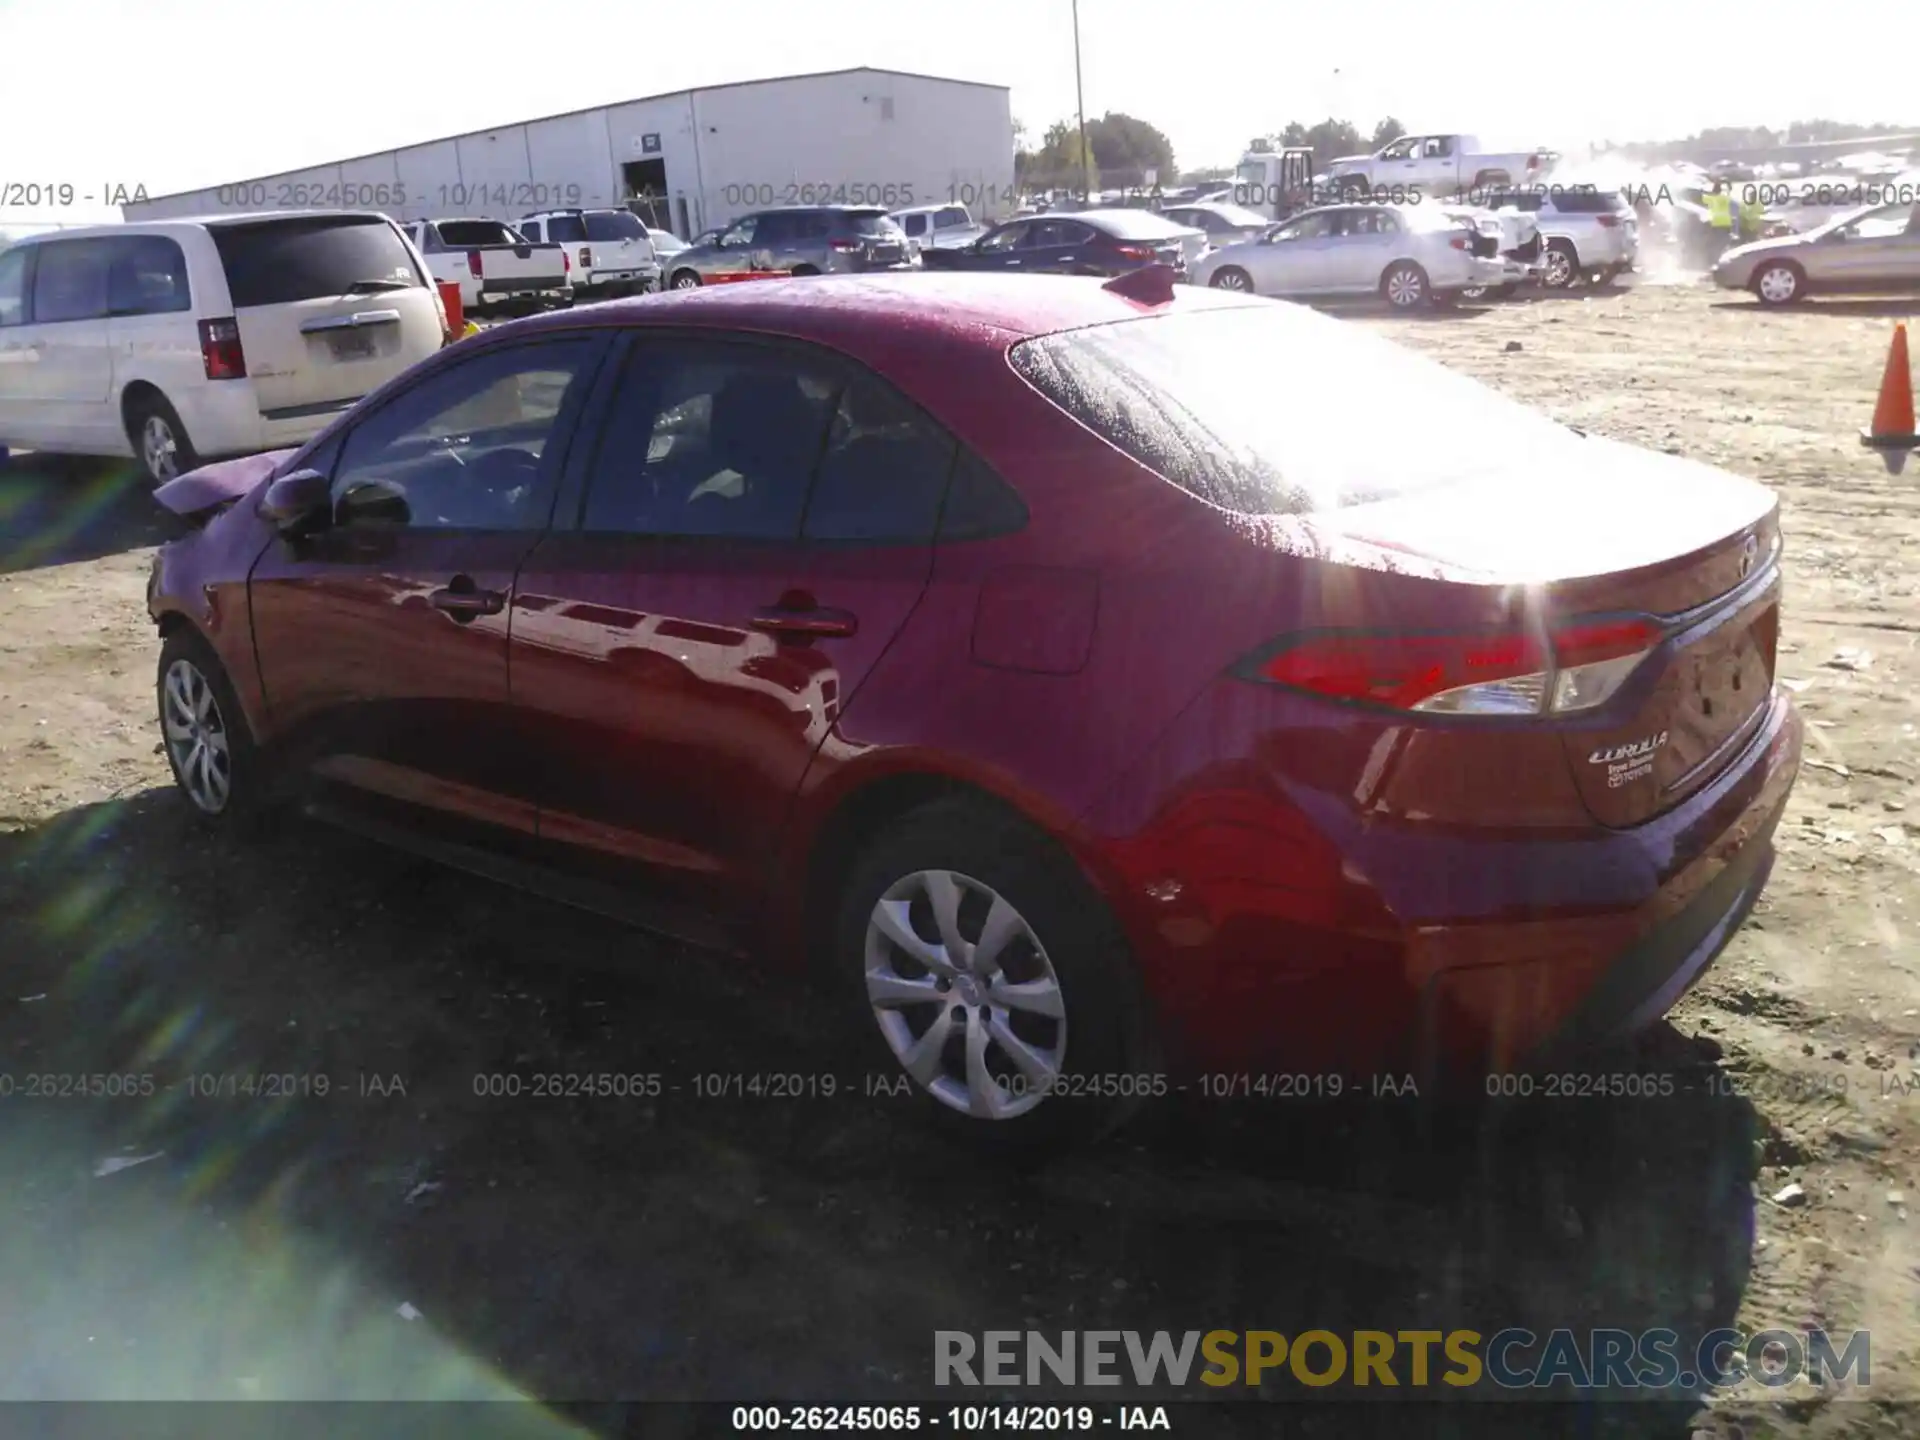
1085	242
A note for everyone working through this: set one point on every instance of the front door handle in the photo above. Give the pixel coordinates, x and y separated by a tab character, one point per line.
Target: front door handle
804	624
464	601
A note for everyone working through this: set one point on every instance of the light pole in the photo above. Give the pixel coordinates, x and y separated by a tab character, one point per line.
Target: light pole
1080	99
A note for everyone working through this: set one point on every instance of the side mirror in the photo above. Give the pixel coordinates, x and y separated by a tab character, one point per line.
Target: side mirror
296	503
373	502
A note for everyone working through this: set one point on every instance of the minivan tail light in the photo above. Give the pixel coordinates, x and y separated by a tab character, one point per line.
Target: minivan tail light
220	350
1577	667
474	262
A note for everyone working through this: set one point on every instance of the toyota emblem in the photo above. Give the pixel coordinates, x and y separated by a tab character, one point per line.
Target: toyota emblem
1749	552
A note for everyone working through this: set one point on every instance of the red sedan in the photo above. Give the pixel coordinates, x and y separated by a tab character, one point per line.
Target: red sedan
1099	681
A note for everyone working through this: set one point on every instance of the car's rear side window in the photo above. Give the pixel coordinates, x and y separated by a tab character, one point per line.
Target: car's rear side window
1274	410
148	277
884	472
70	280
280	262
13	286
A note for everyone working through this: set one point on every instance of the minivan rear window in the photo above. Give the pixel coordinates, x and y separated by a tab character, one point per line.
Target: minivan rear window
1271	409
614	225
317	257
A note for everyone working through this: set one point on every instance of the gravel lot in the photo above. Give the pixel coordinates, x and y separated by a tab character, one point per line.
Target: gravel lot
733	1248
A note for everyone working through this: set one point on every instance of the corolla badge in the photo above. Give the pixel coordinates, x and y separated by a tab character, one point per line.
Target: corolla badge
1628	762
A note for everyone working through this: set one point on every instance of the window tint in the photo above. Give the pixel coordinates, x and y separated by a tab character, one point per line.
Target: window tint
1006	239
915	224
70	281
953	217
460	234
614	225
13	286
534	230
979	503
742	233
708	438
1193	397
566	229
278	262
1307	227
148	276
884	471
1589	202
474	447
813	225
870	222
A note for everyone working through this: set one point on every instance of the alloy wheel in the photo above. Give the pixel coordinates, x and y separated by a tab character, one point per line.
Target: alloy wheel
965	995
159	449
1231	280
1559	270
196	734
686	281
1404	288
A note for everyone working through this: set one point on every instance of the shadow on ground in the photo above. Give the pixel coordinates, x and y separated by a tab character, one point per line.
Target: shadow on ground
58	509
679	1237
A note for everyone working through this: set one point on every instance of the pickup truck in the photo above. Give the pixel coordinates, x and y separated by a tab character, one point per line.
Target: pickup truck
610	251
1437	165
492	263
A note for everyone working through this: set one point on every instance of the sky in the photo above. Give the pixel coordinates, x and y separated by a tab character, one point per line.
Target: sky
194	93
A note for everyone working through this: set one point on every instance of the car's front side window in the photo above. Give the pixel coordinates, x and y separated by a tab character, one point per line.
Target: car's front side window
473	447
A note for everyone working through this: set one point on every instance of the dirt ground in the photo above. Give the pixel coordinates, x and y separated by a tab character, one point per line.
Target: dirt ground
680	1246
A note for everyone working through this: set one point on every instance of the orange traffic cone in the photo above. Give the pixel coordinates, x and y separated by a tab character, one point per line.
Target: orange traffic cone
1892	431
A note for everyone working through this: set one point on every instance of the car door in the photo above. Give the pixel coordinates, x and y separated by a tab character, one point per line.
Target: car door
1400	163
687	644
69	382
1361	245
1002	249
1056	247
733	252
382	640
1296	259
1879	250
150	325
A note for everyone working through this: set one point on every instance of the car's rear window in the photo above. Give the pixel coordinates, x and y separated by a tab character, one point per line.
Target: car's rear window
1271	409
614	225
872	222
478	232
278	262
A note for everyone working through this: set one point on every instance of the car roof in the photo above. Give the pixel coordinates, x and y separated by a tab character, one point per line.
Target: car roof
195	222
865	315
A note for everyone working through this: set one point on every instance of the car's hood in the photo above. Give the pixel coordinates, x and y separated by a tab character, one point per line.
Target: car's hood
1756	248
221	483
1348	160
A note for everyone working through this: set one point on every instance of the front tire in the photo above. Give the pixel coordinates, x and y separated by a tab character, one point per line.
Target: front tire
995	979
686	280
1779	282
803	270
1232	277
209	747
1405	286
160	441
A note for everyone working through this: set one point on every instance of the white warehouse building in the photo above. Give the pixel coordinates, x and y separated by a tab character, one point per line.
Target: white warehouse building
695	159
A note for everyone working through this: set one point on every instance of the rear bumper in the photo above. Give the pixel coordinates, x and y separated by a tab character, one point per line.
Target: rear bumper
1302	934
516	286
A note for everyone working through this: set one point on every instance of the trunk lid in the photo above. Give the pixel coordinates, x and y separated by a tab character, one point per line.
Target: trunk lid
1614	531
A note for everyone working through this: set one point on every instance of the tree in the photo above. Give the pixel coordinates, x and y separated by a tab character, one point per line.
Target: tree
1126	148
1329	139
1386	132
1059	162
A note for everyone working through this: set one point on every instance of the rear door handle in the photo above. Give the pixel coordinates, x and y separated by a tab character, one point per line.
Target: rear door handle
804	624
464	601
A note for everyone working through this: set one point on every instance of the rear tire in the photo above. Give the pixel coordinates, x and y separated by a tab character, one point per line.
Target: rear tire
1232	277
160	441
1062	950
686	280
1404	286
217	768
1563	265
806	270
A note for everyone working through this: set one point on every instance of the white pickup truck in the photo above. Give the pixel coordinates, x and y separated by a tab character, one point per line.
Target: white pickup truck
493	263
609	249
1436	165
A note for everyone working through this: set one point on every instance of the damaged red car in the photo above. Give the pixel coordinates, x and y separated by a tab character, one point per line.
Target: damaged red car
1101	684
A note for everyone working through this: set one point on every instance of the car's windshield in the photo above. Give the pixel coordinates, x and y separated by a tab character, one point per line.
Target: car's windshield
1266	409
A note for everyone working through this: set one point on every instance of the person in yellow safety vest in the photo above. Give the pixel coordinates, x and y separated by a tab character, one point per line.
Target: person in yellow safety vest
1722	213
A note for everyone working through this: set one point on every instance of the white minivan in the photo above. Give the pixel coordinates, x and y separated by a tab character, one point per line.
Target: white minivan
180	341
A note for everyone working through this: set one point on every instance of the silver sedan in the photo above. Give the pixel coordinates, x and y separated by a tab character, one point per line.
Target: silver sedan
1409	255
1872	249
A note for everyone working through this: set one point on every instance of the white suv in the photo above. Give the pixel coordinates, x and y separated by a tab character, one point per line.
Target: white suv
1588	231
182	340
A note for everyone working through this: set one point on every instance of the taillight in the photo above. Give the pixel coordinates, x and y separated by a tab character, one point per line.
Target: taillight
566	263
844	247
1581	665
220	350
1533	162
474	262
1461	242
586	257
1135	252
1607	222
